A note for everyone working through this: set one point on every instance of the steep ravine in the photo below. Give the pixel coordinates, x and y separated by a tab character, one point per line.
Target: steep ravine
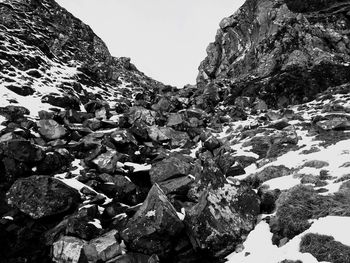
100	163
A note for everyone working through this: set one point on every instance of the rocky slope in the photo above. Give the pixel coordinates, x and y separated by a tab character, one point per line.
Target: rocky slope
100	163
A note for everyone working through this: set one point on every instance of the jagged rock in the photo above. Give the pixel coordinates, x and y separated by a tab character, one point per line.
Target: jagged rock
140	114
268	199
54	162
117	186
23	90
223	213
12	113
155	226
135	258
270	50
169	168
22	150
51	130
221	217
62	101
69	249
179	185
103	248
107	162
42	196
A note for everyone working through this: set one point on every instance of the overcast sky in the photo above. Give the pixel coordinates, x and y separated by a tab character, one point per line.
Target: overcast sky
166	39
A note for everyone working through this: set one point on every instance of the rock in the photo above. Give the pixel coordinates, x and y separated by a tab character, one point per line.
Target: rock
135	258
268	199
82	227
117	186
179	185
174	119
107	162
141	114
42	196
54	162
23	91
155	226
69	249
62	101
103	248
222	216
315	164
169	168
12	113
51	130
22	150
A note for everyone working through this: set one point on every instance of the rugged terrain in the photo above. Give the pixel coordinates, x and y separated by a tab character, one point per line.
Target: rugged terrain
100	163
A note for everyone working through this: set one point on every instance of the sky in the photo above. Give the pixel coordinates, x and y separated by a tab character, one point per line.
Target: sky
165	39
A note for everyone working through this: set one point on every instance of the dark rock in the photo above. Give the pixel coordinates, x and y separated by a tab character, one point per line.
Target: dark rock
42	196
135	258
169	168
221	217
62	101
268	200
53	162
23	91
22	150
12	113
155	226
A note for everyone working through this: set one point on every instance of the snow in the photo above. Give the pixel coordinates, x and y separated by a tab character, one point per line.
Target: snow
282	183
2	119
8	218
259	248
336	155
96	223
151	213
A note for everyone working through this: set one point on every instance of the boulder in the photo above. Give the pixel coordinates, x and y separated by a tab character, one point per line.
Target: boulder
222	216
223	213
12	113
141	114
103	248
63	101
169	168
155	226
42	196
68	249
51	130
22	150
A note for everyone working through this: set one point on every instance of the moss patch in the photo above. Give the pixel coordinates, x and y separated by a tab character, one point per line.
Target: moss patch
299	204
325	248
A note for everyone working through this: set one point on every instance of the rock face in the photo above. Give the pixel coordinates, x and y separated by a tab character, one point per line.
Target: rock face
155	226
284	52
42	196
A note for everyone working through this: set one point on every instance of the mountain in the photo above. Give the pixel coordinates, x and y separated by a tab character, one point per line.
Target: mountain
100	163
284	52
